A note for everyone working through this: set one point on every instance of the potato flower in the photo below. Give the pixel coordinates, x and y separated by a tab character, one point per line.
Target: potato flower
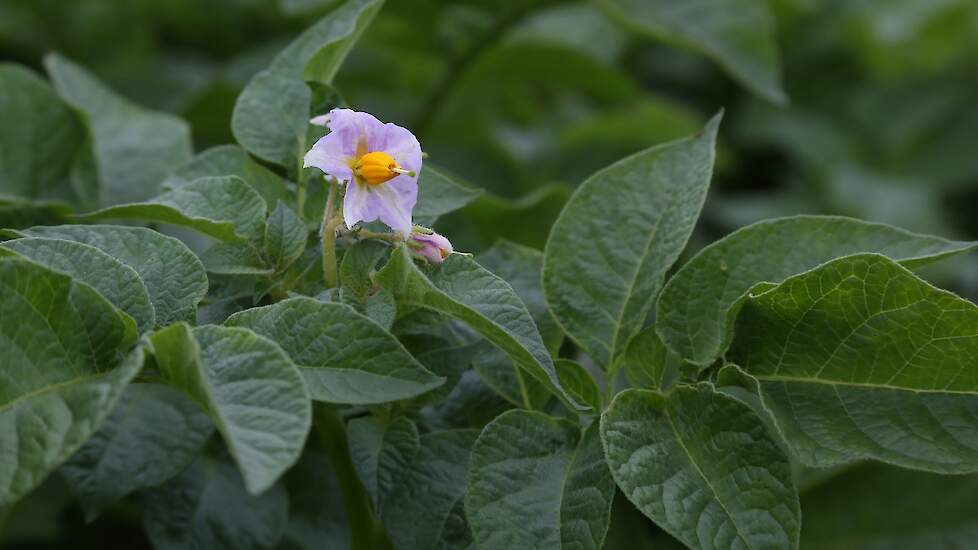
430	245
379	163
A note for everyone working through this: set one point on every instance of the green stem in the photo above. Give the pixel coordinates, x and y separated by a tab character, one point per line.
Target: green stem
300	196
332	432
329	238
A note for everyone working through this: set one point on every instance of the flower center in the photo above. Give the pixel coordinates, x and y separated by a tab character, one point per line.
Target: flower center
378	167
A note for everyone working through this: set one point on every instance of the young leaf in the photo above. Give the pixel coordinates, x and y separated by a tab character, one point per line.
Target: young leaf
737	34
64	368
359	261
423	511
536	482
644	361
171	273
695	311
701	465
151	436
381	450
344	357
464	290
130	163
225	208
438	195
271	116
579	382
861	359
285	237
207	506
115	281
609	250
248	387
231	160
38	138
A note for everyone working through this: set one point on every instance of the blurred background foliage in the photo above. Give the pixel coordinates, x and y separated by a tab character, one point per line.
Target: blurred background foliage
526	98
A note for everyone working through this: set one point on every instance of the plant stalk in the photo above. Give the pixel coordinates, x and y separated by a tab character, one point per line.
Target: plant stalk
364	529
330	222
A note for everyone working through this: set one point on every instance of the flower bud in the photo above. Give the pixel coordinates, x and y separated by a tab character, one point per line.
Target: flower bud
431	246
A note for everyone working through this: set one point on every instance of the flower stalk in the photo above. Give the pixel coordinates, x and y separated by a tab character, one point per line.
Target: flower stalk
331	221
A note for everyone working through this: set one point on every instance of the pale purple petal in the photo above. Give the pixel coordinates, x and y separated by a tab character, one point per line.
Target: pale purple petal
321	120
393	202
356	205
328	154
354	125
403	146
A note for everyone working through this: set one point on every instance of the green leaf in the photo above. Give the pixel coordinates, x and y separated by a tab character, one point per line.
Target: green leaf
134	148
249	388
600	278
423	511
151	436
381	450
525	220
271	116
695	311
171	273
644	361
344	356
438	194
208	507
285	237
464	290
701	465
39	137
225	208
234	259
520	266
498	372
579	382
231	160
737	34
64	367
17	212
359	261
868	507
537	482
115	281
859	358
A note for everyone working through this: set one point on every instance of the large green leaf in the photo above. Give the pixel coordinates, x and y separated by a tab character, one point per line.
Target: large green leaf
737	34
134	148
609	250
463	289
271	116
38	138
695	311
424	509
344	356
64	367
249	388
171	273
438	194
223	207
702	466
537	482
859	358
151	436
207	506
232	160
117	282
868	508
381	451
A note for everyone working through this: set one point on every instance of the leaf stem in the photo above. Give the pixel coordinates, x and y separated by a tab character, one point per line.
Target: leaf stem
328	236
332	432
